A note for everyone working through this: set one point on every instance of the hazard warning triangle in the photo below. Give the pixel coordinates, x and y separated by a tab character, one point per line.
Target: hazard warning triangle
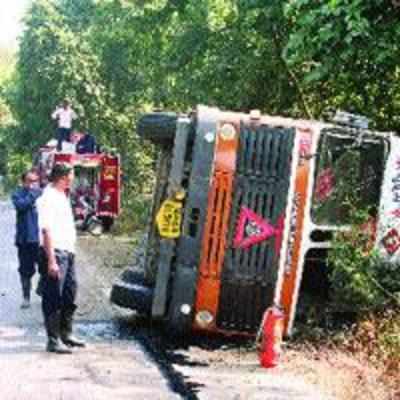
252	229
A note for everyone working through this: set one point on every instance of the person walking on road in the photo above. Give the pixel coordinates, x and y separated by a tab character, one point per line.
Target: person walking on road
58	236
27	231
64	116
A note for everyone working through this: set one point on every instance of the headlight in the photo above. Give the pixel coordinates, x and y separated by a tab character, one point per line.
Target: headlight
227	132
185	309
204	318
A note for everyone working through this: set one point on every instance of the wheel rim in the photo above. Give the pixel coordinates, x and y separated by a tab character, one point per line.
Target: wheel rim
95	228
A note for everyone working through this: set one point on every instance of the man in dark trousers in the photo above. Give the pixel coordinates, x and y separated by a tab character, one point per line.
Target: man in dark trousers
27	231
58	237
64	116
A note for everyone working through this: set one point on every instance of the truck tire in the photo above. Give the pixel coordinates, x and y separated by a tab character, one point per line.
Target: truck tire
131	291
158	127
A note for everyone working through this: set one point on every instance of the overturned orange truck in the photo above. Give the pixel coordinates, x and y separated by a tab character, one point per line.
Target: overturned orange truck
244	210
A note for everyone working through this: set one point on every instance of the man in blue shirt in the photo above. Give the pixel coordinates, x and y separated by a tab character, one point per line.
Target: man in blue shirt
86	143
27	231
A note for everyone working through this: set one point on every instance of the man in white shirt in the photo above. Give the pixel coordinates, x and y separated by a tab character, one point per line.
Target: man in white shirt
64	116
58	237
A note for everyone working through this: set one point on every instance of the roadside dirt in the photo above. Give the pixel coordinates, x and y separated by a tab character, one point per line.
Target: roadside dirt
102	258
212	367
233	365
128	357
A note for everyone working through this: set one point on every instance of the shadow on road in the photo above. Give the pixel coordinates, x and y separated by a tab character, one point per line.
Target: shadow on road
162	351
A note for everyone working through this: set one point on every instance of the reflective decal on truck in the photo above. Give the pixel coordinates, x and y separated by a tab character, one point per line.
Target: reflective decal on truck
388	237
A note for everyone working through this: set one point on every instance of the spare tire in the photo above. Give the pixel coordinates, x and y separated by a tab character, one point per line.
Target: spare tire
131	291
158	127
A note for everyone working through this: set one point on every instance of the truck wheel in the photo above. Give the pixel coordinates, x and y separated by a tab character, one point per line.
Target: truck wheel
158	127
131	291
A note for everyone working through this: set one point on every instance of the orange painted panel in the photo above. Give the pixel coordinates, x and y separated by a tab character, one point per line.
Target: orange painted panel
292	266
217	223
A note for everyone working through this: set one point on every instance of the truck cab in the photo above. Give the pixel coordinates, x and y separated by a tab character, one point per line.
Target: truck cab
243	204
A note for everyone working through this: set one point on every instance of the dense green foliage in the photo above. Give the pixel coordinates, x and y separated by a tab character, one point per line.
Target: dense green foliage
361	280
6	120
348	53
365	285
116	58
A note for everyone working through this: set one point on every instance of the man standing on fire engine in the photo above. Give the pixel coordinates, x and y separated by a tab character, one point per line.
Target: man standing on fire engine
58	236
64	116
27	232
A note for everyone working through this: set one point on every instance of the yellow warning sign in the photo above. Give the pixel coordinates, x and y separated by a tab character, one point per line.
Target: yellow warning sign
169	219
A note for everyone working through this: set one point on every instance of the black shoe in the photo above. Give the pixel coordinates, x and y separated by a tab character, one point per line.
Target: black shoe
55	346
66	329
26	303
72	341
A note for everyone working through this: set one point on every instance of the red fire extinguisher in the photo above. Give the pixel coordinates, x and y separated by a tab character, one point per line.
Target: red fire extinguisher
269	337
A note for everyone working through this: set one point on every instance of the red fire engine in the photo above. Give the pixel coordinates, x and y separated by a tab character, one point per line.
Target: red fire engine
95	194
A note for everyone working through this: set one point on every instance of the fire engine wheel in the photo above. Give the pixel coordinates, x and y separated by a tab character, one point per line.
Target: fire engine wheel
131	291
107	223
158	127
95	227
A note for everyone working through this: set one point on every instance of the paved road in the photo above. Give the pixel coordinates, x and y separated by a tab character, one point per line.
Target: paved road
120	362
109	368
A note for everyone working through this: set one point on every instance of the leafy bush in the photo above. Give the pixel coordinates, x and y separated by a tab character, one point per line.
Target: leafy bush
16	164
135	213
360	279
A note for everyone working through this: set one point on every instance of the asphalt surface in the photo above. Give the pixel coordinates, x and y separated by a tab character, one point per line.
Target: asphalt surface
125	358
109	368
